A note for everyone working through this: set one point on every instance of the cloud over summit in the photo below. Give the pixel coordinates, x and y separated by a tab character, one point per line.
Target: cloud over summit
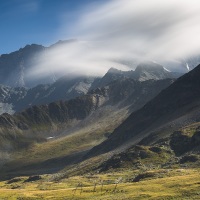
127	30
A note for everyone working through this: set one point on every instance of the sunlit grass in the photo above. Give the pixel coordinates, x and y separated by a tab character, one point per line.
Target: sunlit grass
176	184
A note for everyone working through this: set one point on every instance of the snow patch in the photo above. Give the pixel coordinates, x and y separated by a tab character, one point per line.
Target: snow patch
49	138
187	66
166	69
6	108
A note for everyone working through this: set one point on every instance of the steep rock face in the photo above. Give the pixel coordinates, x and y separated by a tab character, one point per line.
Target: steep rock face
16	99
37	123
64	88
144	71
13	66
48	115
192	61
181	99
112	75
150	70
132	93
10	97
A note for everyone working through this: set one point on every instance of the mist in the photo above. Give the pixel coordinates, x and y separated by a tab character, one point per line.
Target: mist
121	33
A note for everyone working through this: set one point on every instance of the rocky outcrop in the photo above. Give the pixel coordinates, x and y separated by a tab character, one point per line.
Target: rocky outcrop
182	143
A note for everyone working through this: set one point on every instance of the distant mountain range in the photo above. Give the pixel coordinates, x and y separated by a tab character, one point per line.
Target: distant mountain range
65	88
16	99
15	67
121	93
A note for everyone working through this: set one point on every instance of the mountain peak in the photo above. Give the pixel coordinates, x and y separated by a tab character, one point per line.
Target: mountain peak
113	70
31	46
149	66
151	70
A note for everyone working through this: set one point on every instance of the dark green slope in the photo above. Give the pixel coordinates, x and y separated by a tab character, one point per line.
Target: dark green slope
181	99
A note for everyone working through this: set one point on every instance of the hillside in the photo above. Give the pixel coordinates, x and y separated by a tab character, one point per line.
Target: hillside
89	118
176	106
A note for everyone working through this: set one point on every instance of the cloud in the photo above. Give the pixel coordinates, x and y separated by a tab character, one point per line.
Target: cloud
119	33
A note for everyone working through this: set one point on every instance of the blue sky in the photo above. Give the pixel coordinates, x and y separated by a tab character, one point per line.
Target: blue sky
37	21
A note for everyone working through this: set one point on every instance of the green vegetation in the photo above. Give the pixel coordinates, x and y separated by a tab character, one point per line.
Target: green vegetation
49	154
140	172
191	129
165	184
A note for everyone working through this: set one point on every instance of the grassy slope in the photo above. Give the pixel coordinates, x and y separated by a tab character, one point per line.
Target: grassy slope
172	184
79	140
169	183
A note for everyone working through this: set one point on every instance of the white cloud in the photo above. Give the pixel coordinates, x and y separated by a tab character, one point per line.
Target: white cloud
122	30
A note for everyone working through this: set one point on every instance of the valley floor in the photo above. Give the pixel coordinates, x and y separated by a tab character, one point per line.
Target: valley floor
155	184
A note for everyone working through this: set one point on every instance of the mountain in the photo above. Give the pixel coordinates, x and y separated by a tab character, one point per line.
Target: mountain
123	92
75	126
16	99
181	149
107	106
9	98
175	107
65	88
191	62
150	70
144	71
14	66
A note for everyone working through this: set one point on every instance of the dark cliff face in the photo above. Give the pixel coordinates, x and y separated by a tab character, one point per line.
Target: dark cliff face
129	92
13	66
179	99
48	115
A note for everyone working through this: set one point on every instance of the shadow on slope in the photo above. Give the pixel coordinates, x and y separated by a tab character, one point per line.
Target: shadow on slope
179	100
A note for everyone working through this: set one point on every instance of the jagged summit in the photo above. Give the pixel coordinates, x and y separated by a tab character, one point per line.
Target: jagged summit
150	70
31	47
113	70
149	65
